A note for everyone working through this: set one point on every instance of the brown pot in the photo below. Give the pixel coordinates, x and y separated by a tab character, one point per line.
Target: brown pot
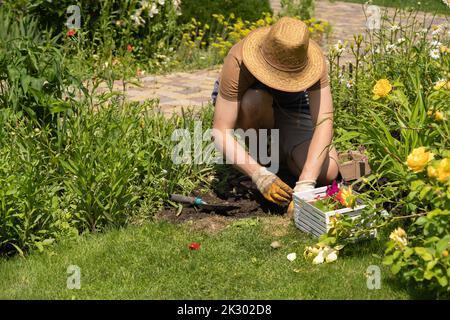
353	165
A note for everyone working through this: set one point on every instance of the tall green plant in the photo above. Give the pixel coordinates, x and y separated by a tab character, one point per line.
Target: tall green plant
304	9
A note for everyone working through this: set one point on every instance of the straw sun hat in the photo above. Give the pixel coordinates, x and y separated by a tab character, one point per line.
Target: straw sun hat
283	57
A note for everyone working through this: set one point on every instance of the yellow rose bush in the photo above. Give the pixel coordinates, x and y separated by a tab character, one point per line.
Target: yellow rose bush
393	97
424	258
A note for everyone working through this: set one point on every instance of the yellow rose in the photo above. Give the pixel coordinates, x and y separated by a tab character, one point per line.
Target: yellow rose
439	116
382	88
443	170
432	172
399	237
418	159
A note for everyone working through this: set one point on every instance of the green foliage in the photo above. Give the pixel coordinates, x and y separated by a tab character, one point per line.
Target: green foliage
406	112
97	168
304	9
33	77
425	259
433	6
236	263
111	24
202	10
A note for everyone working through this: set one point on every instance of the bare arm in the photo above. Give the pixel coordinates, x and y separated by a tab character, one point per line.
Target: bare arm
225	117
321	108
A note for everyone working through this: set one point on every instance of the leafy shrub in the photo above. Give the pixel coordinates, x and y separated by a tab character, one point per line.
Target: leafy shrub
304	9
202	10
224	32
393	99
96	169
33	77
150	26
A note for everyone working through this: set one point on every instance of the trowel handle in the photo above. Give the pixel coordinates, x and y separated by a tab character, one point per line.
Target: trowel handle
183	199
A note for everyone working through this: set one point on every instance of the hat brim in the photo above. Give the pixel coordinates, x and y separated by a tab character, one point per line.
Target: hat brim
277	79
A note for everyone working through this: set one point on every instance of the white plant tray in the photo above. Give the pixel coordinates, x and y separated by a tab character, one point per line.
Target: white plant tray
313	220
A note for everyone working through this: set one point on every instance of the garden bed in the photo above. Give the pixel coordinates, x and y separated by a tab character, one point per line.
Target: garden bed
234	189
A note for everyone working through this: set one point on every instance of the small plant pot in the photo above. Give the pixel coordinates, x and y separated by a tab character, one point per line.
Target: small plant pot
353	165
314	221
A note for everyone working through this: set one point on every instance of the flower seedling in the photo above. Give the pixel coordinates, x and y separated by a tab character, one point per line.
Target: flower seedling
335	198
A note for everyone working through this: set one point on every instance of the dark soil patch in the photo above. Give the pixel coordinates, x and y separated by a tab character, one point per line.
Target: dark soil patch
230	187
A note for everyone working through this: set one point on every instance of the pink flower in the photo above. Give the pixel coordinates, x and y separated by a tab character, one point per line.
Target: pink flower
333	189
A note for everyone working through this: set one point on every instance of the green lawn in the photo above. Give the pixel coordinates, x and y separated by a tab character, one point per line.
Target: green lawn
154	262
435	6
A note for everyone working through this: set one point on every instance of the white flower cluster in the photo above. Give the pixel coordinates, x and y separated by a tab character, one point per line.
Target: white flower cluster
152	9
340	47
447	2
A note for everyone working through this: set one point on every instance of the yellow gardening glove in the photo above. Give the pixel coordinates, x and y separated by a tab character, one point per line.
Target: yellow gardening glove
301	186
271	187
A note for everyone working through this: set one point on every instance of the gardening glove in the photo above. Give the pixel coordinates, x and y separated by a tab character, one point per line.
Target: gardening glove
305	185
301	186
271	187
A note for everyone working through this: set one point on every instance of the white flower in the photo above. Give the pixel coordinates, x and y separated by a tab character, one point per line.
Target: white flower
437	30
350	83
153	10
161	2
435	44
391	47
395	27
434	54
319	259
424	30
136	17
401	40
292	256
177	3
145	5
339	47
447	2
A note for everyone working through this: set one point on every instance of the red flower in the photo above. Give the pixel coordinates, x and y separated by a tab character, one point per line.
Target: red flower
194	246
71	33
129	48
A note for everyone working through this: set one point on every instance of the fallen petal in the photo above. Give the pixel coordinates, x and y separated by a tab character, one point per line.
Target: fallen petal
194	246
292	256
331	257
275	244
319	259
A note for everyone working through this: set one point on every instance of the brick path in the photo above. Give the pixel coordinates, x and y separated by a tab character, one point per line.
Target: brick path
180	90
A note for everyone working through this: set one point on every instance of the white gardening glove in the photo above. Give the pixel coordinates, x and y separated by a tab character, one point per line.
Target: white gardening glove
305	185
301	186
271	187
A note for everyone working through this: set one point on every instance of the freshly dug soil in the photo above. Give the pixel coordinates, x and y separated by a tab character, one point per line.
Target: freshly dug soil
234	188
